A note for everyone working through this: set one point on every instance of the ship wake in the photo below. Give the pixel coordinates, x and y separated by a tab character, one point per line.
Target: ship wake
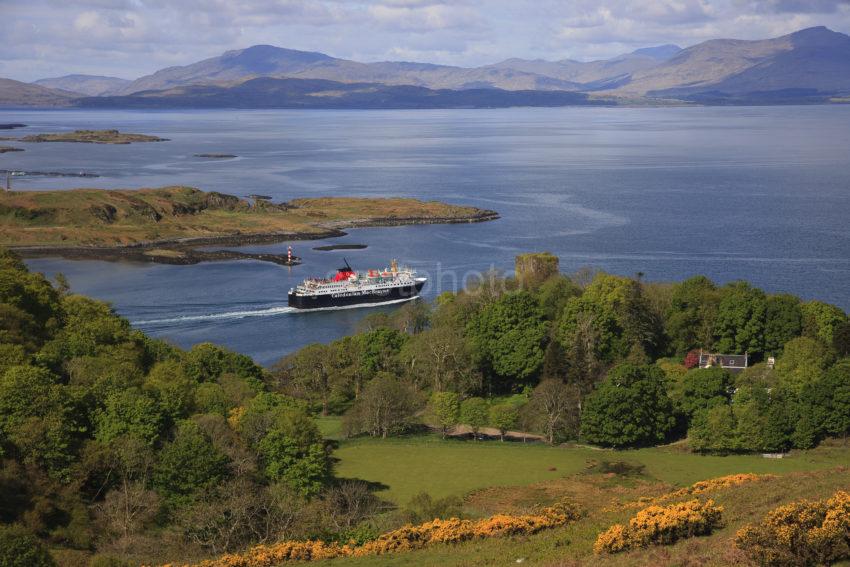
243	314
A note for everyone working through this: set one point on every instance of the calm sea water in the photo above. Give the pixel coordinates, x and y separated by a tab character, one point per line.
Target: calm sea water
761	194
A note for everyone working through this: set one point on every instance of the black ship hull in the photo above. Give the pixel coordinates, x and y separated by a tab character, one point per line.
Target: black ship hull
352	298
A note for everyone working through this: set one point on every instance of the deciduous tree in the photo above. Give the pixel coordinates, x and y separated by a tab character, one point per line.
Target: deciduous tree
379	349
783	322
714	429
441	359
504	417
386	407
188	465
629	408
821	319
827	401
294	452
131	412
20	548
556	406
704	388
445	410
740	322
554	294
474	413
310	372
510	335
803	360
841	339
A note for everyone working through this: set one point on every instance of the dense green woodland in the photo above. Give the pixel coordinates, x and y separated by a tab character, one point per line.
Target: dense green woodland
116	442
115	445
595	357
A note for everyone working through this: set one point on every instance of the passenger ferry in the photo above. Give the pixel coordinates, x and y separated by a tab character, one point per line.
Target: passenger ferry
349	288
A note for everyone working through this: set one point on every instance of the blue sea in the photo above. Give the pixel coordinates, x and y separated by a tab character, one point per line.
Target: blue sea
755	193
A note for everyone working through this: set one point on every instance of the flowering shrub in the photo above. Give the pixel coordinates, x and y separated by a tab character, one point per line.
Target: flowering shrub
406	538
720	483
661	525
235	416
801	533
704	486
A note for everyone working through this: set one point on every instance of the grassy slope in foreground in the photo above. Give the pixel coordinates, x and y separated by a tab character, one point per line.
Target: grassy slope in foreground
93	137
99	217
510	479
572	545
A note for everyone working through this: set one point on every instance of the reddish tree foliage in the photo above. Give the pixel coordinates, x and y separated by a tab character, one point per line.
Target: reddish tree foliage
691	359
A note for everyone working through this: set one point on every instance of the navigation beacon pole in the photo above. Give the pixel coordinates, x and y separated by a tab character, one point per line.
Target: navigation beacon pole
289	257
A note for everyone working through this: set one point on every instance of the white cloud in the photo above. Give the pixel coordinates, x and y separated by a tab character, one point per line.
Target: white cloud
133	37
801	6
423	17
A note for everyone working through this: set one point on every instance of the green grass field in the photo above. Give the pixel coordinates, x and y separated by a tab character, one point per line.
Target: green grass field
412	465
329	426
427	463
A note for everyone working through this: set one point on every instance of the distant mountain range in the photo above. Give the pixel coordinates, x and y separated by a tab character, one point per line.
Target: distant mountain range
91	85
16	93
270	61
271	92
811	66
815	60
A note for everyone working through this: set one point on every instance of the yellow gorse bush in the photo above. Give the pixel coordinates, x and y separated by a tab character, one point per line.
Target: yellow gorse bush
235	416
661	525
406	538
721	483
802	533
703	486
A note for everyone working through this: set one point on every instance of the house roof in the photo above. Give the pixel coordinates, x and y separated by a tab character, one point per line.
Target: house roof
723	360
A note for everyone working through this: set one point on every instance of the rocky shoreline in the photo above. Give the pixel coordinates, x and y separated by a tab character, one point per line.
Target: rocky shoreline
185	251
47	173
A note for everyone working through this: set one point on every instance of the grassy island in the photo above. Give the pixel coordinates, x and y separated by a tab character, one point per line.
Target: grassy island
93	137
175	217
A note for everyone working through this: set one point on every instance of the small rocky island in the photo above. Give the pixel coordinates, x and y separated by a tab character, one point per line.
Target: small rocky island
167	225
93	137
332	247
216	156
4	149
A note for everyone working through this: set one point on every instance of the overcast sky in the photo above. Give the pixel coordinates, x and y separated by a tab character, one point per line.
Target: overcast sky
130	38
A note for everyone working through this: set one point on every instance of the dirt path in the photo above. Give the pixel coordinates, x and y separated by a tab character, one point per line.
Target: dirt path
461	430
